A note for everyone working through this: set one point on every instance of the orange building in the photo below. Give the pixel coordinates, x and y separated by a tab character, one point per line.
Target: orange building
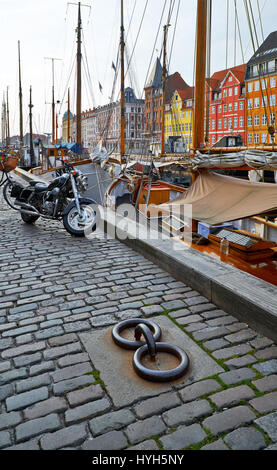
261	91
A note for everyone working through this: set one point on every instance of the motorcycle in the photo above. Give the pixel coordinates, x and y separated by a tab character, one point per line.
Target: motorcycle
59	200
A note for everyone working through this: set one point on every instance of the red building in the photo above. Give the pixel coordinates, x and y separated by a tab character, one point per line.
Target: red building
227	104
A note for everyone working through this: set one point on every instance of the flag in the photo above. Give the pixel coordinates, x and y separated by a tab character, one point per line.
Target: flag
100	87
114	67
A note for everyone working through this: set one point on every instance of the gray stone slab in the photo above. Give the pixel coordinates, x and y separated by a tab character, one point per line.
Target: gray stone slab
115	364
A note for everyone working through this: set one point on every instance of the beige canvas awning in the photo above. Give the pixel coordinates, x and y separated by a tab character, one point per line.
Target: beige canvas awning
216	198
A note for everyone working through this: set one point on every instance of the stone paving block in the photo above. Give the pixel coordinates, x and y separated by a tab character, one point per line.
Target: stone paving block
184	437
44	366
111	421
114	440
199	389
70	436
267	367
33	382
49	332
173	305
239	350
152	310
245	439
6	391
187	413
157	405
229	419
217	445
73	359
65	386
71	371
237	375
9	419
141	430
27	360
232	396
85	395
58	351
150	444
265	403
15	374
22	400
87	410
25	349
43	408
210	333
37	426
29	445
266	384
5	439
240	362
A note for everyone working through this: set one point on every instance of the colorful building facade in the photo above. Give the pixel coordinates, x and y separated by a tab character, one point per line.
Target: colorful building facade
226	92
179	119
261	91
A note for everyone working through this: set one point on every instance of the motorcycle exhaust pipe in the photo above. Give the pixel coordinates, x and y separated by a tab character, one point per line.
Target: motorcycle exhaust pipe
27	207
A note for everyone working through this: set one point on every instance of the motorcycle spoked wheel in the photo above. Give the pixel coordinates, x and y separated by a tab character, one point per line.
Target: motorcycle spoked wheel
76	225
7	195
29	219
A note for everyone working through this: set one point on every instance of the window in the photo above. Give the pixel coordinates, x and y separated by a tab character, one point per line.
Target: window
256	138
272	100
250	139
264	84
241	105
250	103
225	108
220	108
230	107
250	87
272	119
235	122
257	86
225	123
249	121
256	120
271	66
235	106
224	93
256	103
241	121
213	109
264	101
264	120
230	91
213	139
236	90
220	124
273	82
213	124
230	78
264	138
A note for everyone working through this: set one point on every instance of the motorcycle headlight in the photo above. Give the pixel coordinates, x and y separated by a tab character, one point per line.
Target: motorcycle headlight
82	183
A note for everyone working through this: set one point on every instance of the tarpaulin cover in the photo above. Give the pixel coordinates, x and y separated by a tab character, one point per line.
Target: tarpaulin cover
216	198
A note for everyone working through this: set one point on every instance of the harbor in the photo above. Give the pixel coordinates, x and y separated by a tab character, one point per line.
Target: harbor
138	255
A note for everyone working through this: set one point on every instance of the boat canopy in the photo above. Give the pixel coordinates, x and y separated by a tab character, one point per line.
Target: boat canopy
71	146
215	198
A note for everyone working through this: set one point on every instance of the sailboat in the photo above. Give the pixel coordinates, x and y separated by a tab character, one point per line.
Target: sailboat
217	214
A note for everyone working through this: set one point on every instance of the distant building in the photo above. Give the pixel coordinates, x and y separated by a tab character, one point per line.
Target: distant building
153	99
260	79
67	136
179	121
226	93
102	124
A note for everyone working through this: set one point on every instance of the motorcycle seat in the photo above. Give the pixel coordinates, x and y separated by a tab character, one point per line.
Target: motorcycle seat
40	187
34	182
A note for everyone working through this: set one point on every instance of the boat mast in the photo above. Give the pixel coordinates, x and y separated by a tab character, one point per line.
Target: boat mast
20	100
8	120
31	131
68	116
200	75
122	98
164	83
4	118
79	81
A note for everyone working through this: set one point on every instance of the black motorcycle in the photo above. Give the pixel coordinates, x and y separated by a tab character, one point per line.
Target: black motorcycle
59	200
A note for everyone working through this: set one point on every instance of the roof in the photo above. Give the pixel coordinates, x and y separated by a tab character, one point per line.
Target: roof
174	82
267	51
218	77
155	78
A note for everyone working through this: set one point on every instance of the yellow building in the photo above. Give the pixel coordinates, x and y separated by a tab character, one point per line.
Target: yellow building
179	118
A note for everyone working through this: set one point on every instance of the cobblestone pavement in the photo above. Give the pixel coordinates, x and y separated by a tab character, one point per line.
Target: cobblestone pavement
53	289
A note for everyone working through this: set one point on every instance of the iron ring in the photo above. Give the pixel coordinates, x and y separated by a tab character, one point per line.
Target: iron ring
127	344
161	375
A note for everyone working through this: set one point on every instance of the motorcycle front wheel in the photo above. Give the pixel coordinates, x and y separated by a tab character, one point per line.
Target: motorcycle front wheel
76	225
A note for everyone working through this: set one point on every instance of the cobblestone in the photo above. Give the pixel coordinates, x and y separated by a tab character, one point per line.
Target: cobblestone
54	289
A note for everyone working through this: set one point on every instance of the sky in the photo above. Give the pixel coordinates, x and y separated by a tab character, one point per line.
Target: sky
46	31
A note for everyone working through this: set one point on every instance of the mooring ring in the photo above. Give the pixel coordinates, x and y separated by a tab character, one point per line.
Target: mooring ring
161	375
127	344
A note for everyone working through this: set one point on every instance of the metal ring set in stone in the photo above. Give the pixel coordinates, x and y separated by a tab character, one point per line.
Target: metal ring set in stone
152	334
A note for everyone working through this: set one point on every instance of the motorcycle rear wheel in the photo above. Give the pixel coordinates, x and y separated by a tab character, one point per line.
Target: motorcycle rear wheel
77	226
29	219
